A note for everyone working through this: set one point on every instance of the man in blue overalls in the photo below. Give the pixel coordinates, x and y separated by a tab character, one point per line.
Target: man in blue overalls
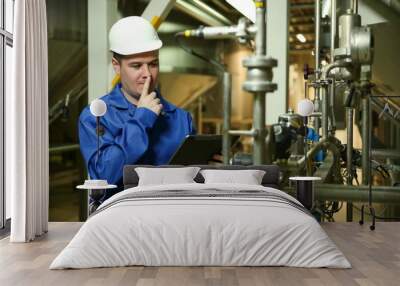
140	126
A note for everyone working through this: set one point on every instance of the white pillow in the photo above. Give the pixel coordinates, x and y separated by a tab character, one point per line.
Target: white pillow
163	176
248	177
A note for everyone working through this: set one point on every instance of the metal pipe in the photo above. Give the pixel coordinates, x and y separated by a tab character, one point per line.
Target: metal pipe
261	28
331	115
98	137
355	6
317	61
317	110
377	105
333	29
365	140
331	104
324	103
270	143
326	73
226	139
64	148
349	150
307	166
334	168
317	36
197	13
329	100
369	161
259	125
315	114
336	192
258	82
201	5
386	153
326	144
200	114
250	133
349	159
259	97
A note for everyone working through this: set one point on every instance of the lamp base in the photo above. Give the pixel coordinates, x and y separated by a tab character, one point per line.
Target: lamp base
372	212
96	196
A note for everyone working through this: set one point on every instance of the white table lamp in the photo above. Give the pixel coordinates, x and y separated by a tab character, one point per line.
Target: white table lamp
96	188
98	108
305	108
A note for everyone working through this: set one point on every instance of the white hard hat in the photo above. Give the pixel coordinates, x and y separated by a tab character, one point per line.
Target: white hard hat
133	35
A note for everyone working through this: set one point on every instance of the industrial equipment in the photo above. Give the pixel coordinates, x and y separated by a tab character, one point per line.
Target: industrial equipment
345	72
259	78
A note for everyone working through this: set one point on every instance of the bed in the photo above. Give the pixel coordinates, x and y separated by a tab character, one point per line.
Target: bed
198	224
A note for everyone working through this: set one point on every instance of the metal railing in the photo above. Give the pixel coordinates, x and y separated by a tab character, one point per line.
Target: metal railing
62	106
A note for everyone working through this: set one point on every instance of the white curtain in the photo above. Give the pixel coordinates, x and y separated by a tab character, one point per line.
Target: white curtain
27	171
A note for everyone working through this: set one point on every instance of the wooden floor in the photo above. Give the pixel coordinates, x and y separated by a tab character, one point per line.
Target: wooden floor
375	257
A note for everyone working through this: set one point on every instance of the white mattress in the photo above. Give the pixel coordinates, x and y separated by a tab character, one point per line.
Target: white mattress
189	231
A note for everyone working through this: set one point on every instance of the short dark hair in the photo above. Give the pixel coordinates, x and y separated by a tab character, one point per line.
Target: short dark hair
118	57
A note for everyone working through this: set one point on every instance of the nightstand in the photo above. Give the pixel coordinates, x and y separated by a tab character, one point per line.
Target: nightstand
305	190
97	190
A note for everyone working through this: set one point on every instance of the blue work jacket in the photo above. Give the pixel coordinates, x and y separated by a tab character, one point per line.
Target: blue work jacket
131	136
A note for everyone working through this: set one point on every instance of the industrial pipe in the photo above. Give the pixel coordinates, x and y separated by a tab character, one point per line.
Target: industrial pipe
251	132
317	98
327	192
349	158
385	153
326	71
64	148
324	103
365	160
324	144
226	138
197	13
331	96
258	82
332	107
317	36
259	97
337	192
349	150
355	6
259	125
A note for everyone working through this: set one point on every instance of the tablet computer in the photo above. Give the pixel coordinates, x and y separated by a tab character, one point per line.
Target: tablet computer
197	150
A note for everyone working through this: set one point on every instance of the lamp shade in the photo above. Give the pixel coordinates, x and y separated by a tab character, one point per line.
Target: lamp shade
98	107
305	107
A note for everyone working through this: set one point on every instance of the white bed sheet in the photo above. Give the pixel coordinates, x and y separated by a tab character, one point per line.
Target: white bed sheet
200	232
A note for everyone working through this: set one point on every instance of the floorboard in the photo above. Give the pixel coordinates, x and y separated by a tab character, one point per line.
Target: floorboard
374	255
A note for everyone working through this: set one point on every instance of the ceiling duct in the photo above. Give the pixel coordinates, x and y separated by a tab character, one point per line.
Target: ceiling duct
201	5
197	13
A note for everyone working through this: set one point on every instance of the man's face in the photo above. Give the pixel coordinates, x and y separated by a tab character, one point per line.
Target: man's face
134	69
